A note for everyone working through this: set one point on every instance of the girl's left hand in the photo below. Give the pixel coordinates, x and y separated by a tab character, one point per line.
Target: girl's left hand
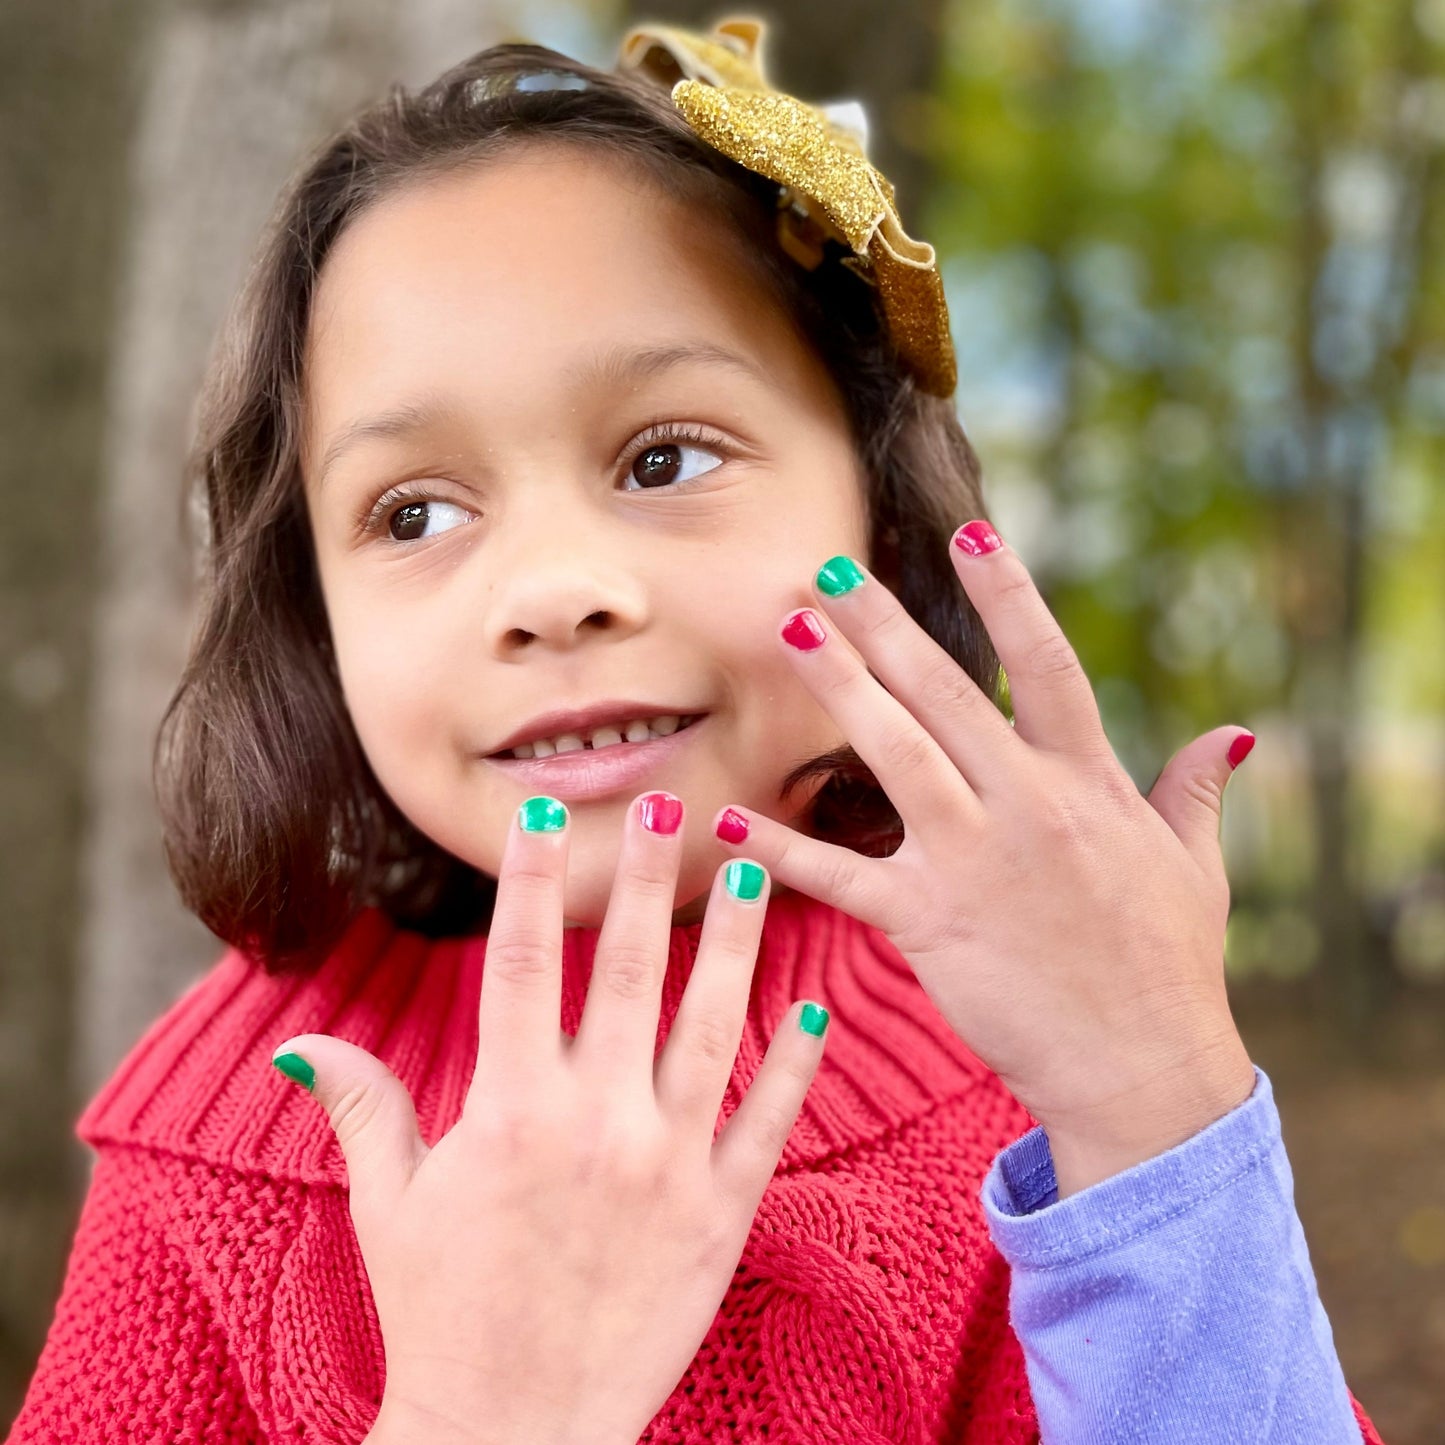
1068	929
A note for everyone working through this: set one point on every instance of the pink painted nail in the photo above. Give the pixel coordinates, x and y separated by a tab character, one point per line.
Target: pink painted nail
1239	749
732	827
804	631
976	538
660	812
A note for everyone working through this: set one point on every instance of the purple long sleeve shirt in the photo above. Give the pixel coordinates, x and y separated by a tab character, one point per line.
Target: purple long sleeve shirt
1173	1302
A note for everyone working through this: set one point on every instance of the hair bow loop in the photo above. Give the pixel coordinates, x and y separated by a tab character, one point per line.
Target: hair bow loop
817	155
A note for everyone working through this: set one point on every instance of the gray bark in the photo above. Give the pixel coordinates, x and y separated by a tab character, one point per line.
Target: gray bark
143	146
234	96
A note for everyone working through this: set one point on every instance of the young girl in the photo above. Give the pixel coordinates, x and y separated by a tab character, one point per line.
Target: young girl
600	632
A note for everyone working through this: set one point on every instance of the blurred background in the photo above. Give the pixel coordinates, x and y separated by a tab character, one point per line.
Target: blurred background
1195	259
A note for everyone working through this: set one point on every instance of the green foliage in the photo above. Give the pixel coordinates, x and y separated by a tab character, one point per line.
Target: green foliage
1195	258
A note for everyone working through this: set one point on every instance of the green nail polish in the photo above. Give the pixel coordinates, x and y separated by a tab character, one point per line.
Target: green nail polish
542	815
744	879
813	1020
839	575
295	1067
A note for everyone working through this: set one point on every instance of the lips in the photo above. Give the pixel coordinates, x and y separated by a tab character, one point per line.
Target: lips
586	773
606	734
584	721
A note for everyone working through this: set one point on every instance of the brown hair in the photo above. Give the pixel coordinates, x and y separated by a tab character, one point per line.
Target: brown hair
276	829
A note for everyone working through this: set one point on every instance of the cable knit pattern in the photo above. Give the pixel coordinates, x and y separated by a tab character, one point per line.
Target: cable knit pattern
215	1291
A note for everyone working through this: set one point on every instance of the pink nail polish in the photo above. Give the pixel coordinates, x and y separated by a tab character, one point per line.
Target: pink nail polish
804	631
1239	749
976	538
660	812
732	827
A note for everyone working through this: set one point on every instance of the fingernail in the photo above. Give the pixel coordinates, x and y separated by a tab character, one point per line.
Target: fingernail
542	815
732	827
839	575
1239	749
813	1019
295	1067
976	538
744	880
803	630
660	812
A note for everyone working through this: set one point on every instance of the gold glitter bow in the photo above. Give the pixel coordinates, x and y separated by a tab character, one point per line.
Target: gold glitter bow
818	156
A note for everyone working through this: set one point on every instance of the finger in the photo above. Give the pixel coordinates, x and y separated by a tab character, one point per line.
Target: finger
924	786
519	1036
697	1061
1189	793
1053	704
955	712
370	1112
747	1151
837	876
617	1037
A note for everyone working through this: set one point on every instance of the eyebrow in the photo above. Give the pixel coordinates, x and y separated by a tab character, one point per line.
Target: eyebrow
616	367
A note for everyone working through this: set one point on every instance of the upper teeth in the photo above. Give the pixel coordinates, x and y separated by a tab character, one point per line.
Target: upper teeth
602	737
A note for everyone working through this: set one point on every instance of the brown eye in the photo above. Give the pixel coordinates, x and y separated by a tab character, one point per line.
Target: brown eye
409	522
659	464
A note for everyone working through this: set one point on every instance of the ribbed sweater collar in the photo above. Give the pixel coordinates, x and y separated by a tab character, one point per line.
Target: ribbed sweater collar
200	1082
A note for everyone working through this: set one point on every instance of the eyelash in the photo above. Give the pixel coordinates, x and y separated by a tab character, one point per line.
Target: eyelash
377	517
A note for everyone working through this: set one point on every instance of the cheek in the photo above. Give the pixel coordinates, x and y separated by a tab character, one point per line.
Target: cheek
394	677
781	721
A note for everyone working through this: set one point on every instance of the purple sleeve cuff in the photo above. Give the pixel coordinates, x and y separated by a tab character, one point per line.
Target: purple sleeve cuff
1174	1301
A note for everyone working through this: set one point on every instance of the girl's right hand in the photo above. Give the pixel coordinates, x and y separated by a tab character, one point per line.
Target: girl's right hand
548	1269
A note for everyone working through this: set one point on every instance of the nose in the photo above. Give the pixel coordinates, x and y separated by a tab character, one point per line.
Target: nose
560	583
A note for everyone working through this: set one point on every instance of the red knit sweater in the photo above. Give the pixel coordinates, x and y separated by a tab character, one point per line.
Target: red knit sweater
215	1292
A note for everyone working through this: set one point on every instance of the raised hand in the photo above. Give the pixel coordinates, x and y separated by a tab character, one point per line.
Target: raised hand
1070	930
549	1268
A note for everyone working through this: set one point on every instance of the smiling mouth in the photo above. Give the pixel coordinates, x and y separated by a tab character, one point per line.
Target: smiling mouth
613	737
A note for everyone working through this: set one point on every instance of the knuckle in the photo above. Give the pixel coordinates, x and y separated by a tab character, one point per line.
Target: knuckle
1060	819
772	1124
629	973
521	960
1052	658
712	1038
881	625
1204	789
834	870
619	1148
648	886
907	750
946	688
354	1111
717	1249
1120	792
507	1131
530	875
1015	585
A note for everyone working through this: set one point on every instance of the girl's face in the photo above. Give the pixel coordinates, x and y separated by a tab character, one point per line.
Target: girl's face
620	467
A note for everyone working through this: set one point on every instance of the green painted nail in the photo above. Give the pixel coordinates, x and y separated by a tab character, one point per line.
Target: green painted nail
744	879
813	1020
838	575
542	815
295	1067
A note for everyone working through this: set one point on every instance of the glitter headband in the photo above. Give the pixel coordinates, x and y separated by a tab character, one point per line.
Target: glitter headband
818	157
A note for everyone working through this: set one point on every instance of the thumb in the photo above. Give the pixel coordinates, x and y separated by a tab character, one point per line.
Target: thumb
1189	793
369	1109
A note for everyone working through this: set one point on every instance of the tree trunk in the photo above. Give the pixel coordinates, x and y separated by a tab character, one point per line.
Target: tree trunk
1325	529
156	136
234	96
65	88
